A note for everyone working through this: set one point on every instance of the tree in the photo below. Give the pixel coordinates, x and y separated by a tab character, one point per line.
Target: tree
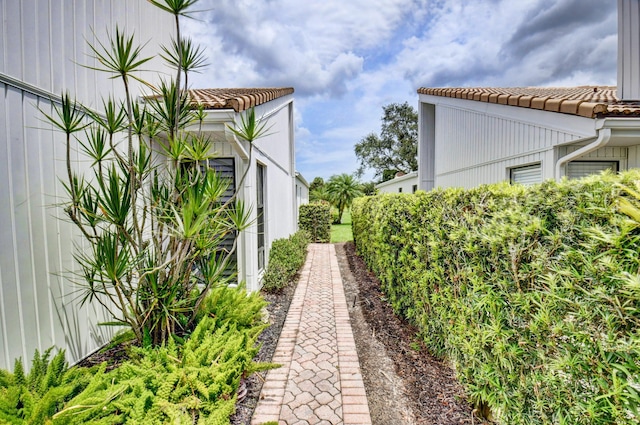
396	148
318	190
318	182
343	189
151	211
369	188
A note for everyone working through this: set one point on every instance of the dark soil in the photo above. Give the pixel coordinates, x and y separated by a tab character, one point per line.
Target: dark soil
278	306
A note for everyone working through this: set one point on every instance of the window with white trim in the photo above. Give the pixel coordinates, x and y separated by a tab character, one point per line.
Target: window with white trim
579	169
527	175
226	169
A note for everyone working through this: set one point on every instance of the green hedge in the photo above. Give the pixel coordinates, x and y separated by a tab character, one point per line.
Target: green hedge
532	294
191	383
285	259
315	219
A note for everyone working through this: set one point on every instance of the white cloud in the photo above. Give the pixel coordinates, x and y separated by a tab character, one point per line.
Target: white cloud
347	59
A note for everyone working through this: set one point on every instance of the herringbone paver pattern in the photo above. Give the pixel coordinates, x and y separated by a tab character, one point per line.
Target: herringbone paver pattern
319	381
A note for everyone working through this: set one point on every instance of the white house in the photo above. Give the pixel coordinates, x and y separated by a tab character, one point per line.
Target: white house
271	183
404	183
470	136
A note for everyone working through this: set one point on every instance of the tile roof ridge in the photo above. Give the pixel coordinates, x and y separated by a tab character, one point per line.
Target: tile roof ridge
238	99
587	101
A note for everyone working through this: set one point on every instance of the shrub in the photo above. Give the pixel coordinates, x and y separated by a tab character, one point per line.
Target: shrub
195	382
315	219
531	293
285	259
34	397
151	234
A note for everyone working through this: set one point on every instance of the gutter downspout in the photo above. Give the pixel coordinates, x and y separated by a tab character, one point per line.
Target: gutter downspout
604	135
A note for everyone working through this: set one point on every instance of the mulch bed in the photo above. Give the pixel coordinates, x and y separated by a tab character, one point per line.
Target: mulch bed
278	306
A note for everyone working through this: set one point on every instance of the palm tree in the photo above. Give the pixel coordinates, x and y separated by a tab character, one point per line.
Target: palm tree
343	189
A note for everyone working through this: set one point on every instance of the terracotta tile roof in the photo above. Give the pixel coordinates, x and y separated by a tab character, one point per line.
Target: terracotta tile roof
237	99
585	101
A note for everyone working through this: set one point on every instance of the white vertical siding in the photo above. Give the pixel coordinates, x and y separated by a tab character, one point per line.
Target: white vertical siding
42	42
477	142
608	153
629	49
276	152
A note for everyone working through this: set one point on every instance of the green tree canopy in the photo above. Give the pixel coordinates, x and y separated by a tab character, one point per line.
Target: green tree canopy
396	148
318	182
343	189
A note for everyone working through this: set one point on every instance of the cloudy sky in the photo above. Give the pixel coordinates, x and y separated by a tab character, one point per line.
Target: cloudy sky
348	58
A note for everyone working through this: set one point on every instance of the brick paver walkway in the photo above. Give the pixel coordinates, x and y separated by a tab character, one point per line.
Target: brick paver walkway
319	381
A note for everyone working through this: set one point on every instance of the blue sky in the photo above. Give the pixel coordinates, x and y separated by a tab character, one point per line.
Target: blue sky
346	59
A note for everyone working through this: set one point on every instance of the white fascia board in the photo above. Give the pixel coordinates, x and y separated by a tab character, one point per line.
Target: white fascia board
302	179
574	124
409	176
272	107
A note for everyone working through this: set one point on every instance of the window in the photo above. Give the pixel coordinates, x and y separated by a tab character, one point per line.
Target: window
260	210
400	190
527	175
414	188
579	169
226	168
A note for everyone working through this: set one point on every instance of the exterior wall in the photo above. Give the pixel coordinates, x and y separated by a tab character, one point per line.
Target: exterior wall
302	194
628	53
608	153
402	184
477	142
42	43
276	153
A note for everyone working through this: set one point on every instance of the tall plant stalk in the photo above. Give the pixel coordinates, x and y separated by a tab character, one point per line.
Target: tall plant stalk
153	231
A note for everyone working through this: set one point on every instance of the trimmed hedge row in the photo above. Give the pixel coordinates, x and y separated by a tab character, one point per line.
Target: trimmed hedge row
532	294
285	259
315	219
194	382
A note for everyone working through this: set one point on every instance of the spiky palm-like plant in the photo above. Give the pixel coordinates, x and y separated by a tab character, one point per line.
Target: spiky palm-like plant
343	189
152	232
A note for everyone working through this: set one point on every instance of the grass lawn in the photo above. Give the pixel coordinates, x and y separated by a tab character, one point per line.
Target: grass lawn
342	232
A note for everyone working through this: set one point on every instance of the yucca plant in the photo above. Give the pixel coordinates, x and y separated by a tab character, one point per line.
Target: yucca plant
150	211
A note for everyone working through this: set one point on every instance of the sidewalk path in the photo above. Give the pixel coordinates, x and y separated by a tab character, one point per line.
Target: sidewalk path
319	381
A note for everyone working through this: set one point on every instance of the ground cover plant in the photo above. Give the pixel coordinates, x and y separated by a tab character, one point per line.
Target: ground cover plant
194	382
532	294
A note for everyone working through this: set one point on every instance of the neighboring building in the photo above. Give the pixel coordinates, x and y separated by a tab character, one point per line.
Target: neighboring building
302	192
470	136
44	43
270	185
403	183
